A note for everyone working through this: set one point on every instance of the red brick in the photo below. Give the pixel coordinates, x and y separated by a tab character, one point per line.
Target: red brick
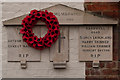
105	7
102	78
115	56
95	72
112	77
107	70
92	78
119	67
119	64
110	72
95	8
87	72
111	65
109	9
102	64
111	14
88	64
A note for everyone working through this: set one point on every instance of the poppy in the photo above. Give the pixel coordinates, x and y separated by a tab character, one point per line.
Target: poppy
33	12
52	24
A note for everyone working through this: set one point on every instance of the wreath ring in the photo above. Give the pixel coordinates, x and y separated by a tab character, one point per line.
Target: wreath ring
50	37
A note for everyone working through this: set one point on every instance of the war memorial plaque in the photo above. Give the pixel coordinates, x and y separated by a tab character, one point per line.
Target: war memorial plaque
96	43
76	43
17	49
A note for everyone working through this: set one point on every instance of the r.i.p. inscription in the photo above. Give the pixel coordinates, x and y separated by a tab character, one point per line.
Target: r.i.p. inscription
95	43
19	50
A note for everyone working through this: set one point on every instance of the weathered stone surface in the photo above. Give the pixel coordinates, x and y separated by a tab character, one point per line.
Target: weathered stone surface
21	8
96	43
19	50
43	69
0	39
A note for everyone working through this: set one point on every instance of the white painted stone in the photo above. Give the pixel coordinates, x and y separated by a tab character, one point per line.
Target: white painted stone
43	69
73	33
23	8
0	40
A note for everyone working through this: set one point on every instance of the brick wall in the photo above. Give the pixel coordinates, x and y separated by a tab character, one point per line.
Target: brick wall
107	70
106	9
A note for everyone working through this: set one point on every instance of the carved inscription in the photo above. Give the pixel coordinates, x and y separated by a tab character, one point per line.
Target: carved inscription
95	43
17	49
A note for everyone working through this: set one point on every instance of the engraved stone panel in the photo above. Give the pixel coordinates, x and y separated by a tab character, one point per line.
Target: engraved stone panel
68	43
17	49
95	43
67	15
74	69
61	45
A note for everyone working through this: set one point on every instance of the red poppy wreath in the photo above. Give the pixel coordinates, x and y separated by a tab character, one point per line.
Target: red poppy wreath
52	24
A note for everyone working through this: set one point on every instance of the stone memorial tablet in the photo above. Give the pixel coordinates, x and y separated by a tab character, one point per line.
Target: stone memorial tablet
95	43
19	50
90	43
